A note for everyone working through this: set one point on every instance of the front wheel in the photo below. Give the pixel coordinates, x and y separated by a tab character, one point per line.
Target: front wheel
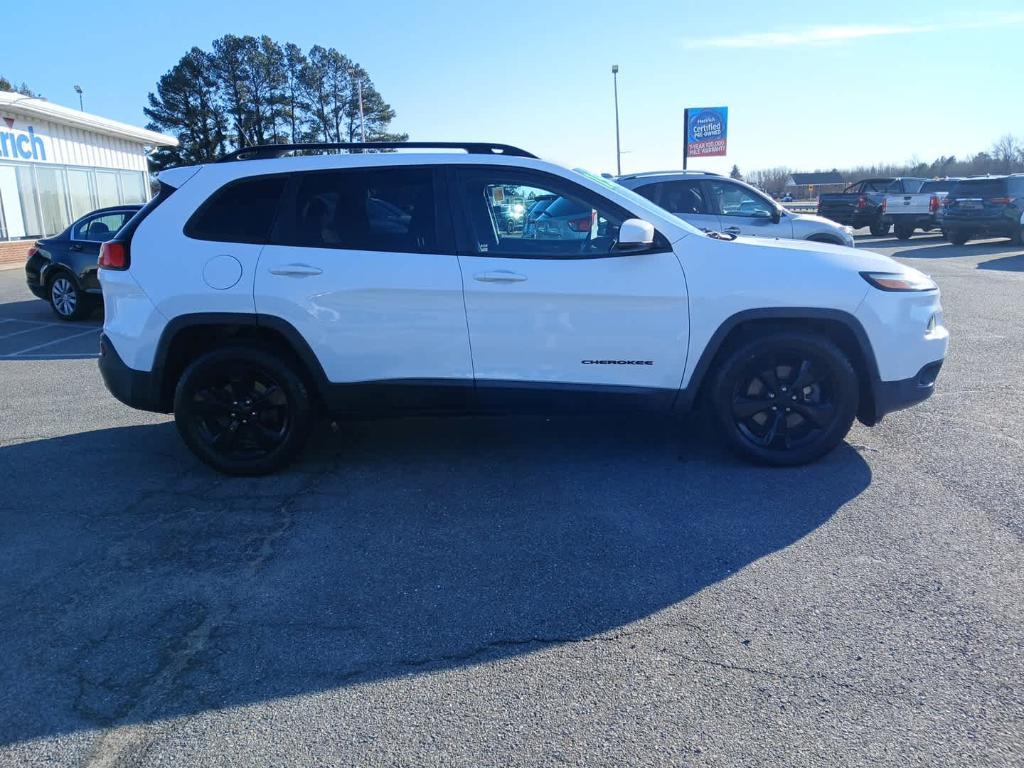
242	410
786	398
879	228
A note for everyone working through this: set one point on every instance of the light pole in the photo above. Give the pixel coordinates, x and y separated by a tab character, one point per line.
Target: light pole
78	90
618	148
357	74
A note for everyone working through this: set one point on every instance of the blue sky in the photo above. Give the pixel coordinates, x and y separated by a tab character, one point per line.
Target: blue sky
808	84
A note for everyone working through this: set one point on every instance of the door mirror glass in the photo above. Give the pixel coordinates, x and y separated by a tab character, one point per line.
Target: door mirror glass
635	233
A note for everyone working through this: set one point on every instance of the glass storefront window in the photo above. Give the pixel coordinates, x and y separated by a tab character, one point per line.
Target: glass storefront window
106	188
133	189
80	192
27	196
38	200
53	205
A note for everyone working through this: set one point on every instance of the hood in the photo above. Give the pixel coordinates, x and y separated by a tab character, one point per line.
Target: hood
814	219
857	259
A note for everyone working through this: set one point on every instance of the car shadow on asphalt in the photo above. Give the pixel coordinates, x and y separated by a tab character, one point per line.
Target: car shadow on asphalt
942	249
1005	263
138	585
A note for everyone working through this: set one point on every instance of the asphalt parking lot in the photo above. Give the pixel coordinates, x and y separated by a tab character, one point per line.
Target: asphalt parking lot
503	592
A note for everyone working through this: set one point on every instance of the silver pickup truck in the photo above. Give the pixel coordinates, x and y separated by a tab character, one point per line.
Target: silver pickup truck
920	210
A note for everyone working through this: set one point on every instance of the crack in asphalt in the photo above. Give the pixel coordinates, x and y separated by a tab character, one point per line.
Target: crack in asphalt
126	745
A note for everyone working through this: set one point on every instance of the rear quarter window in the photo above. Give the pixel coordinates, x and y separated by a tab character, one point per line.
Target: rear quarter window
239	212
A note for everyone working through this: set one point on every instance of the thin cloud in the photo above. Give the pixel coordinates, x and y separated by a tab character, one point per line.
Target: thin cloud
842	33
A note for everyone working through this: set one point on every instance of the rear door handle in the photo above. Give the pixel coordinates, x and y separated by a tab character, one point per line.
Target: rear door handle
296	270
499	276
732	230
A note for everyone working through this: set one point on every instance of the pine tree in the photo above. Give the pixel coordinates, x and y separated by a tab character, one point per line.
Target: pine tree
186	105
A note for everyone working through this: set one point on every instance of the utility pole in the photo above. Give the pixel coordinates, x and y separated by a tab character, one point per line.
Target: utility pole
618	146
78	90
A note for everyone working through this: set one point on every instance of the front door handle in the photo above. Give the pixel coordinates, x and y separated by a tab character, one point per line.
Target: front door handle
499	276
732	230
296	270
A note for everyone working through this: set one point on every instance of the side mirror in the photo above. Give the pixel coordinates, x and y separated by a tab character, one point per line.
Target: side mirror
776	215
635	233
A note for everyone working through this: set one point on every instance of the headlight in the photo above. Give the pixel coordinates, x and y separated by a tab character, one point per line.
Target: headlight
899	281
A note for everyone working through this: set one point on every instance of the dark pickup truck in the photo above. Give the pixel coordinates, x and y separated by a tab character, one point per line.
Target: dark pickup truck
860	204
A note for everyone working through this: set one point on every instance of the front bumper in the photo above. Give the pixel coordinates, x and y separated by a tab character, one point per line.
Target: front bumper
889	396
138	389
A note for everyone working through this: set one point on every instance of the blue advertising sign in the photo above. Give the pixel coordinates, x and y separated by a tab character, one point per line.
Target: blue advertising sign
706	129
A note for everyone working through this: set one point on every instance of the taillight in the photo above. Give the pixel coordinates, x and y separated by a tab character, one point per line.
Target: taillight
33	251
933	204
862	203
1002	200
582	225
884	204
114	255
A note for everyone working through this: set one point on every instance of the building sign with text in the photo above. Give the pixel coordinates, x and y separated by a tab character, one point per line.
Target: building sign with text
21	142
706	129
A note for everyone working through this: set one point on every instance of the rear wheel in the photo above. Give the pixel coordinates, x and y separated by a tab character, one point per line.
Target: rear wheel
242	410
958	237
785	398
66	299
879	228
904	231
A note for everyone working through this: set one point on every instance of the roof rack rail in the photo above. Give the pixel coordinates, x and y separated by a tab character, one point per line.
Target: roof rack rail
270	151
689	172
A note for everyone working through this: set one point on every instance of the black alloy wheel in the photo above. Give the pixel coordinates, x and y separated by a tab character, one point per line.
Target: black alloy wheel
785	399
243	411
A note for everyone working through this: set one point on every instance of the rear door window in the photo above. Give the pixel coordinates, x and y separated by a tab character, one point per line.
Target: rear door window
99	229
369	209
239	212
684	197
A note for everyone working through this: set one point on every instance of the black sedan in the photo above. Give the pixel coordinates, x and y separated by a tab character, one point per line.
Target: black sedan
62	269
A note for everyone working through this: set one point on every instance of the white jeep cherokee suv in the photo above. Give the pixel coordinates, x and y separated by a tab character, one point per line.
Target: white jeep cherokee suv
253	293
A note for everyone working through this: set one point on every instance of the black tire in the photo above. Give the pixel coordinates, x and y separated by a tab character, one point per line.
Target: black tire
67	300
761	417
242	410
958	236
879	228
904	231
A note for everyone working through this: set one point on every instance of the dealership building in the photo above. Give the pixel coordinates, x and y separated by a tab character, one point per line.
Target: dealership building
57	164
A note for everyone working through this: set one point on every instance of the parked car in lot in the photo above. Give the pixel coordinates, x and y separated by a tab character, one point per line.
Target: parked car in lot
984	207
716	203
909	211
860	204
62	269
233	307
534	211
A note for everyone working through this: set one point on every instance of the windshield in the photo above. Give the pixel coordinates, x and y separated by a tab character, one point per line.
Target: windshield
639	201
